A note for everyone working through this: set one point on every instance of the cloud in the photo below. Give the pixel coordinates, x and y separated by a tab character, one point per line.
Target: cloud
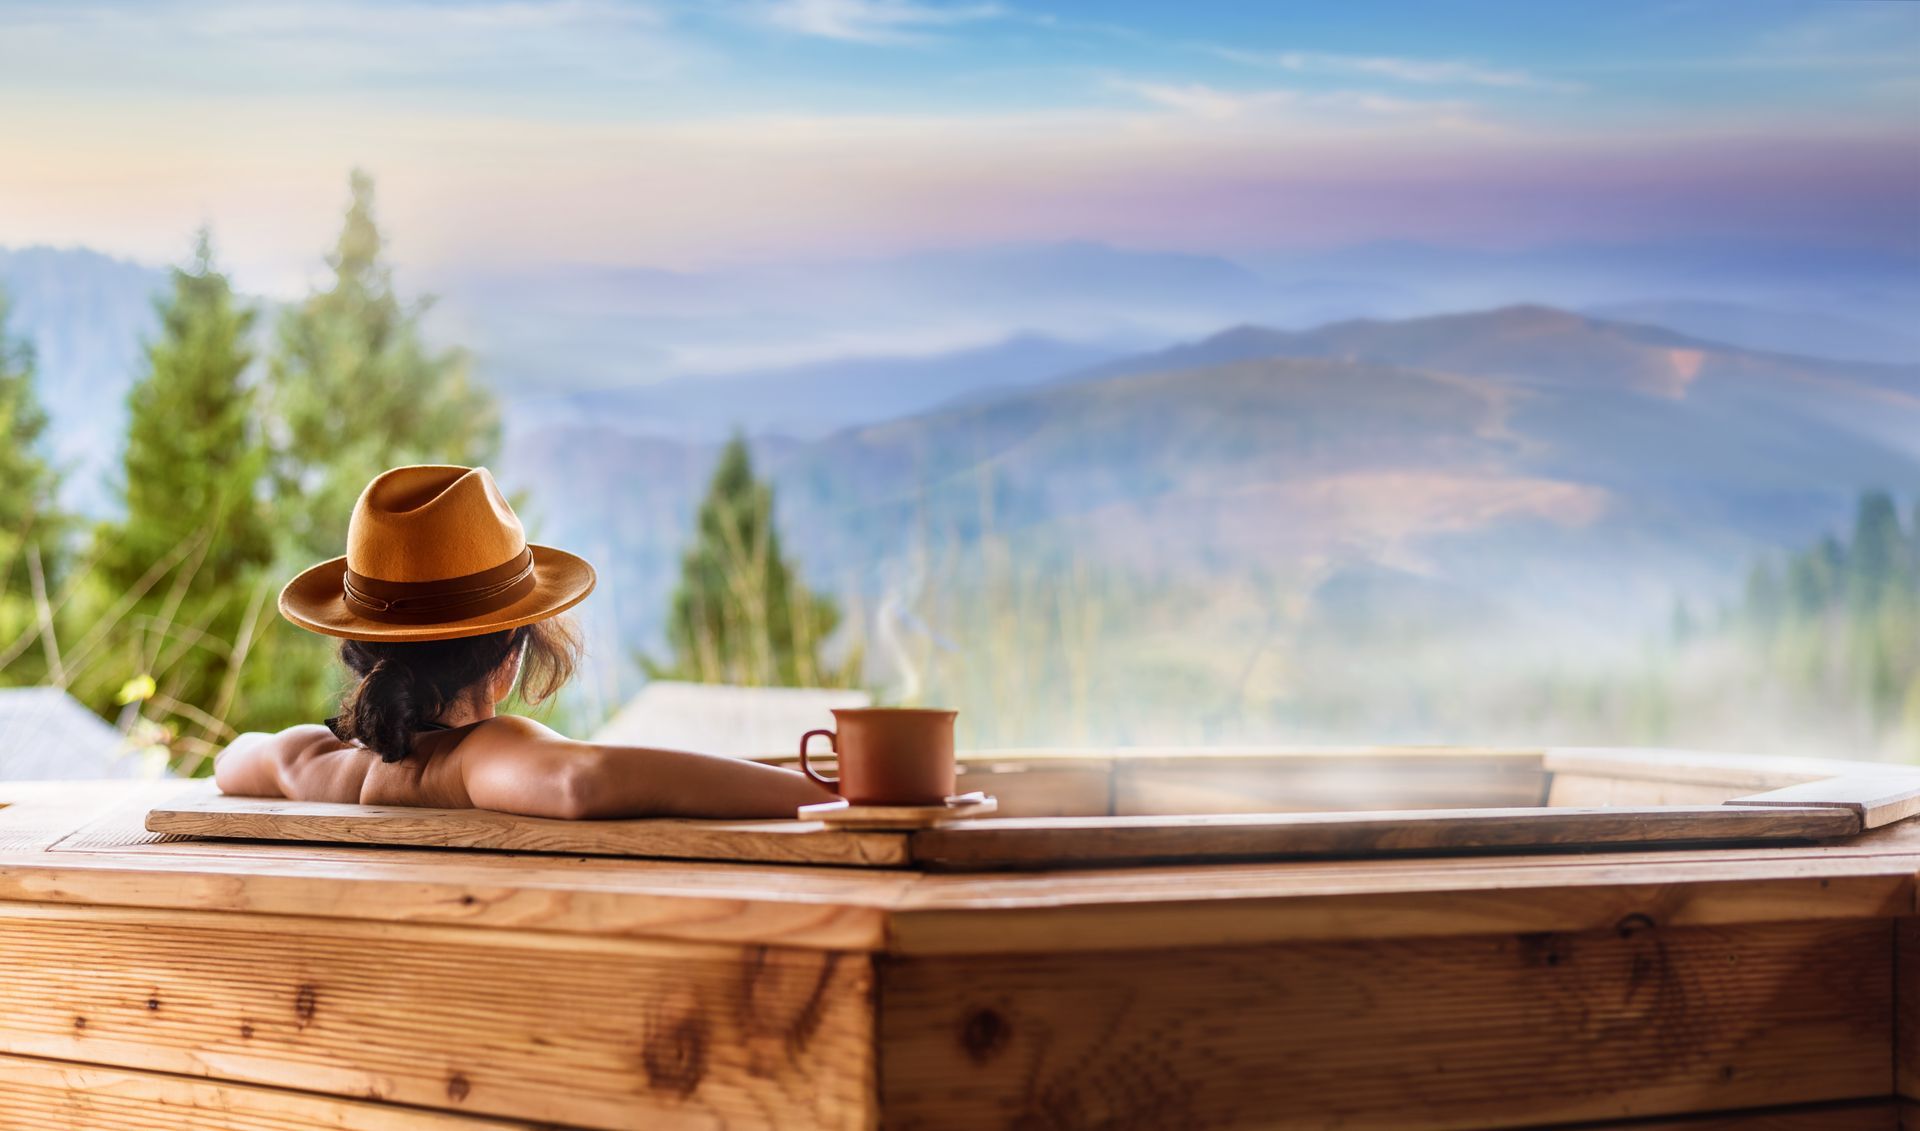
872	21
278	45
1432	71
1213	104
1204	101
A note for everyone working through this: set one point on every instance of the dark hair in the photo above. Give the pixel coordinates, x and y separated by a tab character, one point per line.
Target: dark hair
406	683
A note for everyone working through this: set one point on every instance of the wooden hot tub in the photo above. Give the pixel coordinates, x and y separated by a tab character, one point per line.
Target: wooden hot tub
1389	938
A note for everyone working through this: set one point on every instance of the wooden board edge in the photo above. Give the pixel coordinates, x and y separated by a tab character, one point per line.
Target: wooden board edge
1030	843
931	929
312	823
1879	800
216	1103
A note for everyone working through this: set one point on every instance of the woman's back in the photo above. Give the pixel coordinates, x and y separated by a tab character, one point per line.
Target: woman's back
442	608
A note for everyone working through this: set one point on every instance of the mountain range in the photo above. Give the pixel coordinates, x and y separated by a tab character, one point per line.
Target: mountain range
1525	467
1519	473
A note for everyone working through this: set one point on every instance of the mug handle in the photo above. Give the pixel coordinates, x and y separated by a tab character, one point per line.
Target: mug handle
833	744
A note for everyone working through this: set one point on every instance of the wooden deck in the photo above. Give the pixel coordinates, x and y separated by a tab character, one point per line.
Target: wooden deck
151	981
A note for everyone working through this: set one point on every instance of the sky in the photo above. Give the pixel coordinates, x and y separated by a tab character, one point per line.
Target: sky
510	133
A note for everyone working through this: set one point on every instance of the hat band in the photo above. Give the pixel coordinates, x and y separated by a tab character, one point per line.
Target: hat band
448	599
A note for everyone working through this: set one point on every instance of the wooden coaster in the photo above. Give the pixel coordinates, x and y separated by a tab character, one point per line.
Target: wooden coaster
845	815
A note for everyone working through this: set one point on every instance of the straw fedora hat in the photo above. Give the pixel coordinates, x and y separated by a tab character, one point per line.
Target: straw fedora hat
434	553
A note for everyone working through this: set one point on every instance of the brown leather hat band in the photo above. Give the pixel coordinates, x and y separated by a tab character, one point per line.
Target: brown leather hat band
450	599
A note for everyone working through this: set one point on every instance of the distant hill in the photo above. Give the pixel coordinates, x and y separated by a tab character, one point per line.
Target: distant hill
1555	468
1773	330
1527	344
562	328
815	399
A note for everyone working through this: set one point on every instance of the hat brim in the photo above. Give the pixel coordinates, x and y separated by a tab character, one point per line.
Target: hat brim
316	601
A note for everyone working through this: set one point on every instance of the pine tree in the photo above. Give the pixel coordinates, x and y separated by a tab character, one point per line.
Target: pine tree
354	391
739	614
358	391
1876	554
31	523
195	537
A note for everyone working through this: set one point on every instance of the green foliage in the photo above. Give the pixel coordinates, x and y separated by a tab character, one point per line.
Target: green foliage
33	531
230	486
354	390
739	615
193	547
357	391
27	480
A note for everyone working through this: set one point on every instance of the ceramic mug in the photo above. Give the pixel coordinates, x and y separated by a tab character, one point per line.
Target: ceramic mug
889	755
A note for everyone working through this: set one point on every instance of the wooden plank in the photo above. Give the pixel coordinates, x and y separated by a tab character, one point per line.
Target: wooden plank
1871	875
1581	791
1860	1115
1879	799
1746	772
517	1025
1392	1036
1334	781
1071	841
35	815
785	842
691	902
934	922
50	1095
1906	981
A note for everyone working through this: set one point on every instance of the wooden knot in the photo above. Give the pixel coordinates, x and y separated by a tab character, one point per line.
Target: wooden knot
306	1001
673	1053
984	1033
784	996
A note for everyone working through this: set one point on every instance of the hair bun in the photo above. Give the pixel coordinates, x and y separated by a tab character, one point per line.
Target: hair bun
386	710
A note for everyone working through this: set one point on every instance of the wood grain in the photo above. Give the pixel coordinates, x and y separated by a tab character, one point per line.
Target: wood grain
1879	799
49	1095
1219	912
786	842
36	815
1870	875
1070	841
519	1025
1394	1036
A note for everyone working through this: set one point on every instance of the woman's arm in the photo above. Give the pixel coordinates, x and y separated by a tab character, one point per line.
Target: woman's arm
526	768
304	763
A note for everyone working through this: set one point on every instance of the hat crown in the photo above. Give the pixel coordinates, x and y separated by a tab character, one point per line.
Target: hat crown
432	522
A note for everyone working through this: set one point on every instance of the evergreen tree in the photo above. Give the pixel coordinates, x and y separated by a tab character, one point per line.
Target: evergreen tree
1877	553
195	537
31	523
354	390
739	615
1847	635
358	391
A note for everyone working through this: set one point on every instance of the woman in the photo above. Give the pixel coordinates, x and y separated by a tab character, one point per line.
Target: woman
442	608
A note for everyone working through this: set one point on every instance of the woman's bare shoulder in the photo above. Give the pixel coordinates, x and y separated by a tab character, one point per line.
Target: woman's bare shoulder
510	729
305	763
